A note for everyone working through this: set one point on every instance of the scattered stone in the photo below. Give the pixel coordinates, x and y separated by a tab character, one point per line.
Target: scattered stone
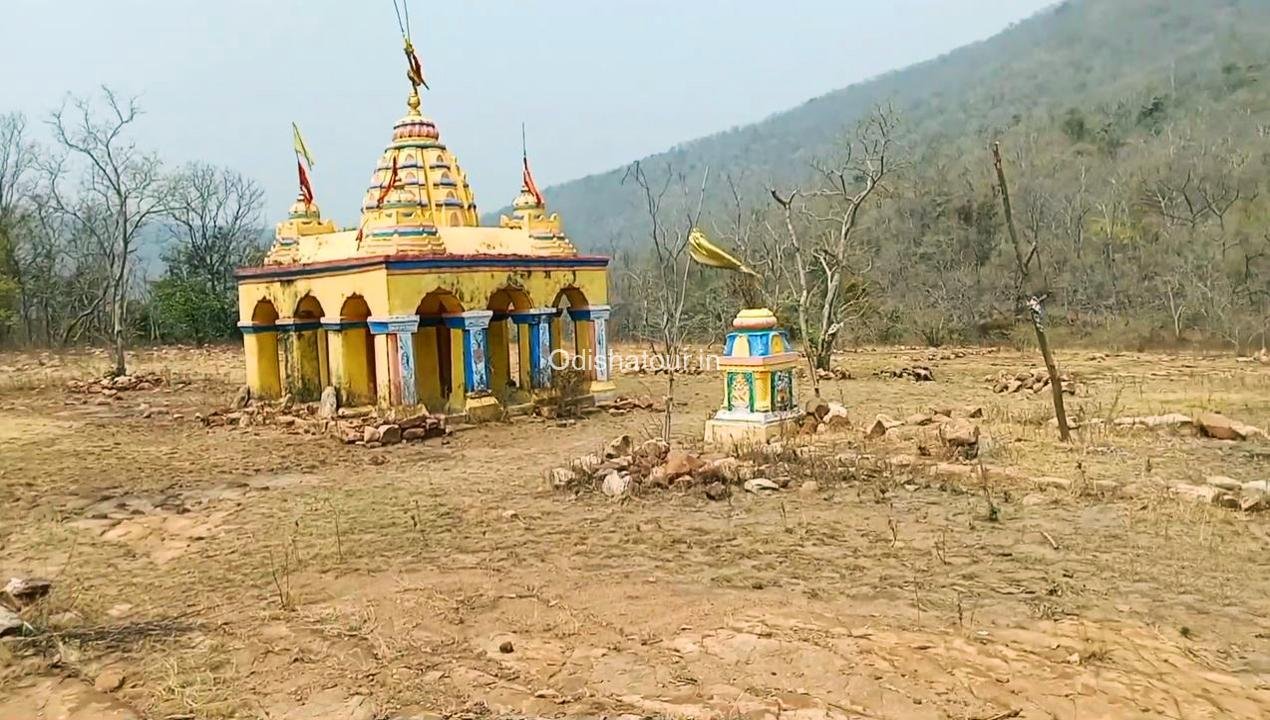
809	487
817	408
389	434
1217	426
959	433
761	485
1197	493
329	405
414	434
1171	420
1054	482
680	463
22	592
619	446
1252	503
352	413
974	411
10	623
877	429
717	491
109	680
726	469
616	484
589	464
837	418
506	647
918	419
651	453
916	373
1223	482
370	434
1256	486
562	477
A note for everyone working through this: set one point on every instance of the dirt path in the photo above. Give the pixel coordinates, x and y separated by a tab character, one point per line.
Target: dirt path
230	573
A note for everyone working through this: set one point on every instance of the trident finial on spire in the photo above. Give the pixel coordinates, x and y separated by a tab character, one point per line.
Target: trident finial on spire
414	69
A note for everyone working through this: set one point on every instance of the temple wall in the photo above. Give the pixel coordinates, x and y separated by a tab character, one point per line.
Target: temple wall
473	288
329	290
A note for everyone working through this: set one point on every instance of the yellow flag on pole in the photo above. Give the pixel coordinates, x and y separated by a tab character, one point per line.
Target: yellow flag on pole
301	149
707	253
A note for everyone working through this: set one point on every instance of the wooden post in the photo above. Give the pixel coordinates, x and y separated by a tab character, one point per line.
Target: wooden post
1034	302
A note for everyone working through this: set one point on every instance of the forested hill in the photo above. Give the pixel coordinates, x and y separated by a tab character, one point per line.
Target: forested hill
1087	63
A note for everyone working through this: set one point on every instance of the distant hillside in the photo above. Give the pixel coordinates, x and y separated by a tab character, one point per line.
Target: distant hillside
1078	56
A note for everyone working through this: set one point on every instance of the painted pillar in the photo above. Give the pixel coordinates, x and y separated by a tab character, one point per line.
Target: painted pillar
591	324
260	348
302	358
499	363
383	367
333	346
324	358
398	332
536	345
469	346
526	365
428	362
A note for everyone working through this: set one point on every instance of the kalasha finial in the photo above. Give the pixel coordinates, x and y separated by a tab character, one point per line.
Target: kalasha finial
413	102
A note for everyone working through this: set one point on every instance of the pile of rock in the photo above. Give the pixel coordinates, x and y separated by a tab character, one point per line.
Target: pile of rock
1227	492
953	429
624	405
1033	381
823	416
366	426
1209	424
626	468
833	373
19	594
111	385
916	373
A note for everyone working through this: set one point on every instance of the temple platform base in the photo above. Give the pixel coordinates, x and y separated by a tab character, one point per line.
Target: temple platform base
733	429
482	408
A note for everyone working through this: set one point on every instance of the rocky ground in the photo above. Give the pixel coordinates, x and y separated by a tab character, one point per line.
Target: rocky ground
924	548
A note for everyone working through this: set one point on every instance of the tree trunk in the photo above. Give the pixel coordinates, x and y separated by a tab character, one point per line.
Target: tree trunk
1034	303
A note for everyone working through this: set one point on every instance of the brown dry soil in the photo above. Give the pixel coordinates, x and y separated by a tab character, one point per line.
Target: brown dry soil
210	573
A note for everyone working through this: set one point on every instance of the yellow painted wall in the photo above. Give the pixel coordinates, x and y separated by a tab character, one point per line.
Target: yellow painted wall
329	290
474	288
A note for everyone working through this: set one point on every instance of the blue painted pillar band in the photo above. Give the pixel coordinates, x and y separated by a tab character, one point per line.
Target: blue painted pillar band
475	326
536	323
401	349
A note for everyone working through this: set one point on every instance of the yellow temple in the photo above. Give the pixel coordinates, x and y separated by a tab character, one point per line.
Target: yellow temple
420	305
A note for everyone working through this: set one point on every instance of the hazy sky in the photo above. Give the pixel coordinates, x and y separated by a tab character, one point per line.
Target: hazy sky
597	82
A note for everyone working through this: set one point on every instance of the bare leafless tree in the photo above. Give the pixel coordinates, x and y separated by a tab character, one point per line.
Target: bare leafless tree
119	192
821	226
17	183
215	226
664	295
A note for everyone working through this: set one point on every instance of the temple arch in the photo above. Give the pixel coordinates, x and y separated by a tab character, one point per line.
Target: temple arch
260	347
357	377
437	375
508	357
304	350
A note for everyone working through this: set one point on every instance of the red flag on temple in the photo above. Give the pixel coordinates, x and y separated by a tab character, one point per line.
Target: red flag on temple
392	181
528	179
306	189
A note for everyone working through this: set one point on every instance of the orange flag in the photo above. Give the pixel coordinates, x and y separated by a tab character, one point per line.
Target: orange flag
392	181
306	189
528	179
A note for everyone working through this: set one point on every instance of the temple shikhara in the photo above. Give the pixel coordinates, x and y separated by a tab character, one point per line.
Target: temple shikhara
419	304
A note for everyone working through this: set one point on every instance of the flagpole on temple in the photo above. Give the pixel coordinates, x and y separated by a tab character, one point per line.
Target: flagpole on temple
303	156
